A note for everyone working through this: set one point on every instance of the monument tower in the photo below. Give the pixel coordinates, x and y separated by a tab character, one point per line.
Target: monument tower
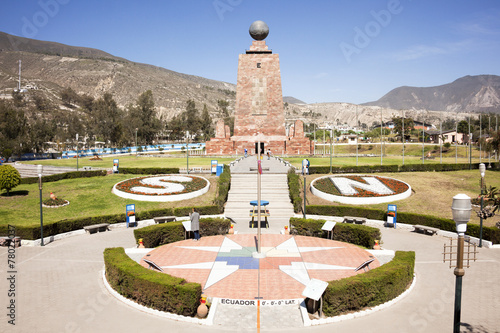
259	113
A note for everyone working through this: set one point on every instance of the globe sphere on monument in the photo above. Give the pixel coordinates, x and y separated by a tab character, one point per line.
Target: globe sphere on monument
259	30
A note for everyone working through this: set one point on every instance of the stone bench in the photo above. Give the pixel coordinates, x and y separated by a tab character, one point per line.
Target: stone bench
356	220
164	219
87	168
425	229
7	241
96	228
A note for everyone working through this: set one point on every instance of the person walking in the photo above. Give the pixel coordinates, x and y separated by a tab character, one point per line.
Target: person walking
195	224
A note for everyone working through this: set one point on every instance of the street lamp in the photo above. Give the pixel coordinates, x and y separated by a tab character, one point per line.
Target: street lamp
77	153
40	172
187	152
136	142
461	209
482	170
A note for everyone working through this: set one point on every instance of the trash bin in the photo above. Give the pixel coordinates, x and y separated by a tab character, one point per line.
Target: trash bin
392	214
220	169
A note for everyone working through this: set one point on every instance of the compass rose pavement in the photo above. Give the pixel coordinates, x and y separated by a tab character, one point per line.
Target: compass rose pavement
225	268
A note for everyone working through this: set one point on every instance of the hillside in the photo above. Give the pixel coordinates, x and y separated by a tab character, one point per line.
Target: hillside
480	93
52	67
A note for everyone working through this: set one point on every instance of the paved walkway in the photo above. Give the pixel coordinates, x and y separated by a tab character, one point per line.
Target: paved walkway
30	170
59	289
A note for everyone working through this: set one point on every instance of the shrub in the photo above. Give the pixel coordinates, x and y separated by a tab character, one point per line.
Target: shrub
361	235
9	177
369	289
294	189
165	233
149	171
223	186
67	175
153	289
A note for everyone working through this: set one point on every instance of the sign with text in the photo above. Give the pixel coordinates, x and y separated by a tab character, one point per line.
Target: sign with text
214	166
130	212
116	163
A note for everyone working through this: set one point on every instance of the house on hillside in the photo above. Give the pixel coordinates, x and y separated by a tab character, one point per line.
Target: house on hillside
426	126
450	136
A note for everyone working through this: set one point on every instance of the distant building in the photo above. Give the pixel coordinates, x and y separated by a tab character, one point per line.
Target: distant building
450	136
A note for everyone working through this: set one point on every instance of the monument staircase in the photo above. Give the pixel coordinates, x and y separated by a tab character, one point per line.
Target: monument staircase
274	188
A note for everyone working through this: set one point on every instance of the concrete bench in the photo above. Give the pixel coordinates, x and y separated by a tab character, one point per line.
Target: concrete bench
356	220
96	228
164	219
425	229
7	241
197	169
87	168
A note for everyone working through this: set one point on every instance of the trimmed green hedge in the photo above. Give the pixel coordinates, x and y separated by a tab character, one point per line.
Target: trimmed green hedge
396	168
350	233
165	233
67	175
223	186
149	171
489	233
294	189
372	288
153	289
66	225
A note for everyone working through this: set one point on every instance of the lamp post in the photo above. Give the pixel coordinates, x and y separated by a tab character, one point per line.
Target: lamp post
482	170
40	172
461	209
187	152
77	153
136	142
331	138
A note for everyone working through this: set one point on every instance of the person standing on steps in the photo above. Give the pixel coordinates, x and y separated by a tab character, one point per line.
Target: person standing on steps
195	224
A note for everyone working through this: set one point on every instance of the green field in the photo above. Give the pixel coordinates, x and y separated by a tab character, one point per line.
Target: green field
87	197
92	196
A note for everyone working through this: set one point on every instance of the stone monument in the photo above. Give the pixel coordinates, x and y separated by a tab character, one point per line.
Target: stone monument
259	113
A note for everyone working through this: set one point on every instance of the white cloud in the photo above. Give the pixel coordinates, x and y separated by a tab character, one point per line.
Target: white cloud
423	51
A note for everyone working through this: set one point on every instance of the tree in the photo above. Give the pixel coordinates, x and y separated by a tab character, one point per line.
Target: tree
69	96
193	122
398	125
107	119
142	116
13	127
207	129
9	177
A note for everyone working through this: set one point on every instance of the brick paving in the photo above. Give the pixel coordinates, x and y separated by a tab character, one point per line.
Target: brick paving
225	268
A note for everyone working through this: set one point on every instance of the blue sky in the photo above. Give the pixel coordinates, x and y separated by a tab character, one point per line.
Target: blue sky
330	51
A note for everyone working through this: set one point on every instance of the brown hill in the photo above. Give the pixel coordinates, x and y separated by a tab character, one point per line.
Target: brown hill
480	93
52	67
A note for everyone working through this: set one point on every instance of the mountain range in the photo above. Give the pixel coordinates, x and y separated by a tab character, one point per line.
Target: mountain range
50	67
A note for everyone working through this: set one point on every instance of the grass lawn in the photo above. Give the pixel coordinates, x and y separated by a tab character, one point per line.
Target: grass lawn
432	192
87	197
127	161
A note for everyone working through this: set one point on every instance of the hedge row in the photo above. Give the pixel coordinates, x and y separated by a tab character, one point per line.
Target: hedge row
67	175
66	225
489	233
148	171
396	168
372	288
223	186
153	289
361	235
165	233
294	190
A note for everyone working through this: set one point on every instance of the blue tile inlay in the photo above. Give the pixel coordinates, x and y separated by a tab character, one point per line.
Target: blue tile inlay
243	262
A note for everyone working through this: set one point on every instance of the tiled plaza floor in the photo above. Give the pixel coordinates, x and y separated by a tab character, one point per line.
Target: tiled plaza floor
225	267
